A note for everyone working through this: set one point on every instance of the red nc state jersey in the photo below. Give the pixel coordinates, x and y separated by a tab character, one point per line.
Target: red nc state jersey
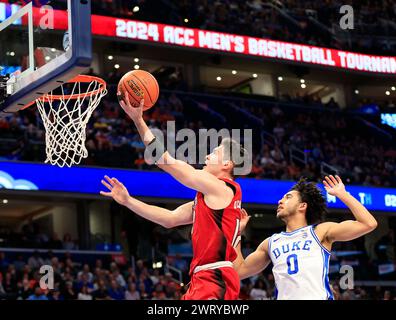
215	233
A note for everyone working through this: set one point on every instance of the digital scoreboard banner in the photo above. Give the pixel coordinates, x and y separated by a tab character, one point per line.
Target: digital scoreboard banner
218	41
156	184
389	119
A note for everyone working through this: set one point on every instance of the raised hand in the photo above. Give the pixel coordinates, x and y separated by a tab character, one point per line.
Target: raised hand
135	112
117	190
334	186
244	219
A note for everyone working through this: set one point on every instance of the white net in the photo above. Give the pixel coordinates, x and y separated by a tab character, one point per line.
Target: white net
65	119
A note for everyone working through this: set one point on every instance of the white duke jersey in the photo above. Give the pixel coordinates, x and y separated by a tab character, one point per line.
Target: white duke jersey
300	265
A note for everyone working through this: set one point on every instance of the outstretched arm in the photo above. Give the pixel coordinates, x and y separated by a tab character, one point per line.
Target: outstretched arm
167	218
350	229
187	175
256	261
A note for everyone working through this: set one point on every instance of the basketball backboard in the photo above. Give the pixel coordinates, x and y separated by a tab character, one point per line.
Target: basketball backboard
42	45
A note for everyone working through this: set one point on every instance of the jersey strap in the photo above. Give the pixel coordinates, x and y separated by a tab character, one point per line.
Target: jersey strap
317	239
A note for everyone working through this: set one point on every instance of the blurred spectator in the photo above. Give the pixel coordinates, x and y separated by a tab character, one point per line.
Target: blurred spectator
387	295
335	289
117	276
139	267
24	289
35	261
125	244
155	276
68	243
9	285
244	293
159	293
385	247
115	291
84	294
38	295
142	291
3	294
55	242
88	276
69	292
4	263
259	291
19	263
84	282
101	293
132	293
55	295
172	291
348	295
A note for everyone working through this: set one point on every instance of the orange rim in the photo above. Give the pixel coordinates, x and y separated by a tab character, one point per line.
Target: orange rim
79	78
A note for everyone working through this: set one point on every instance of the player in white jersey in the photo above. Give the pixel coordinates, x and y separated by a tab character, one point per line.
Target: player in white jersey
300	256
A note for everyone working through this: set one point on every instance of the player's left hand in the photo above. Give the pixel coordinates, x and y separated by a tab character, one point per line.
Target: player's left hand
244	219
117	190
334	186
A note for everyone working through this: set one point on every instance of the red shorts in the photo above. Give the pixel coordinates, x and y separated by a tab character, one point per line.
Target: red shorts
214	284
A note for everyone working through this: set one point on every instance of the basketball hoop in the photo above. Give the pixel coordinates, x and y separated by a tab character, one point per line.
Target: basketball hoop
65	117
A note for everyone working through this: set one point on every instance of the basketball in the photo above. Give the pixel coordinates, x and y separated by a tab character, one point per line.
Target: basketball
138	85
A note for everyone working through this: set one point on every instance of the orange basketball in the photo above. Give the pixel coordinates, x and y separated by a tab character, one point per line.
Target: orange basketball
138	85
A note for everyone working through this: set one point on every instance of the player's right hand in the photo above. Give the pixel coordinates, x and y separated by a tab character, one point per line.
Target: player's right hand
244	219
334	186
117	190
135	112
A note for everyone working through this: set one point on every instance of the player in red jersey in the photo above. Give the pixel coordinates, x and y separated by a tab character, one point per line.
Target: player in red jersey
215	213
215	234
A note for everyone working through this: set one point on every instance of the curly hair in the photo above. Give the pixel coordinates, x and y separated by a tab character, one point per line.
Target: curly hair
312	195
